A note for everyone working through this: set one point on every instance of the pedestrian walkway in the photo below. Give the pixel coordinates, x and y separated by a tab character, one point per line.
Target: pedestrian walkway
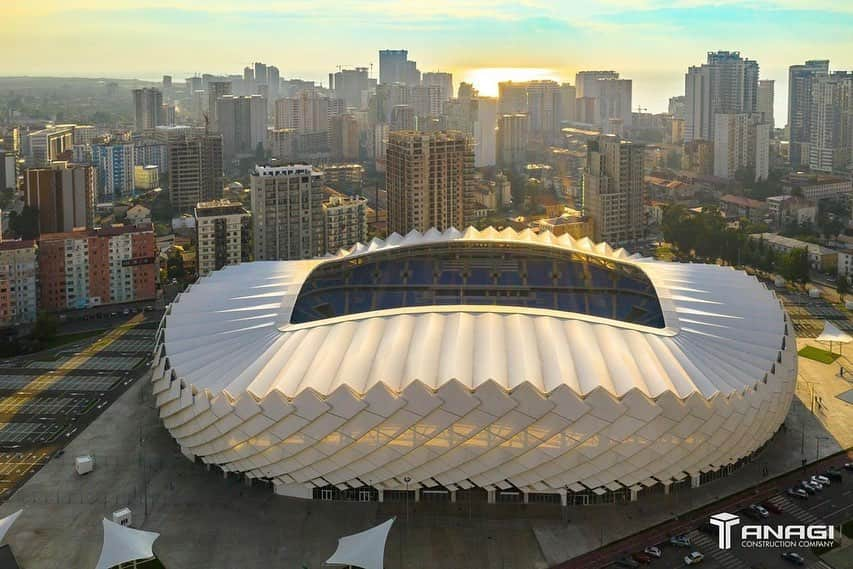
791	508
722	556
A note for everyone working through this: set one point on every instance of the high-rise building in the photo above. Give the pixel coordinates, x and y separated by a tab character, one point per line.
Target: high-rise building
64	196
222	235
344	138
429	179
148	105
403	117
50	143
607	97
115	161
261	76
307	112
831	122
8	170
195	162
440	79
485	136
215	90
568	105
81	269
18	282
395	67
349	84
727	83
243	124
512	97
512	141
800	79
544	100
426	100
274	82
741	140
765	102
613	189
678	107
287	212
344	222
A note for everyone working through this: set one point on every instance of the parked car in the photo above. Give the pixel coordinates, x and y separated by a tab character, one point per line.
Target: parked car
760	510
834	474
771	507
680	541
820	479
694	558
708	528
794	558
653	551
848	466
814	484
810	490
798	493
626	562
641	558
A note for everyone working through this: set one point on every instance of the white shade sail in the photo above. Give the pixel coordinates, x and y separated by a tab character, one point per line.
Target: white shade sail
123	544
831	333
7	522
365	549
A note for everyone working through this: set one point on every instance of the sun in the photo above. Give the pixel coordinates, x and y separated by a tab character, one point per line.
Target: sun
486	79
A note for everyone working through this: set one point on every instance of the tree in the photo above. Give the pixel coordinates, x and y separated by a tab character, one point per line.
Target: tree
25	224
45	327
842	286
794	266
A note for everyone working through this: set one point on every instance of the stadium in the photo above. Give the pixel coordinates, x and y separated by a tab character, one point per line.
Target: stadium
512	365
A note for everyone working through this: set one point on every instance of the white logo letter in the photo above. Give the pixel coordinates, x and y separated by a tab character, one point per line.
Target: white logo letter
724	522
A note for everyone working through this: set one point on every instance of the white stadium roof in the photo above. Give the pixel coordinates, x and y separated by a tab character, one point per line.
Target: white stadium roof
239	370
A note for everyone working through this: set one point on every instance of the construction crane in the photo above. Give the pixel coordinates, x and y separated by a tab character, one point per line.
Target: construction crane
642	109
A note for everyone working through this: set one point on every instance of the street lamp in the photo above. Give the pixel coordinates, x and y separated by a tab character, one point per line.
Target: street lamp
818	438
407	479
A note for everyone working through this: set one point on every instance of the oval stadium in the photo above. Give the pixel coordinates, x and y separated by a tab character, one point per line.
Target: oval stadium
502	362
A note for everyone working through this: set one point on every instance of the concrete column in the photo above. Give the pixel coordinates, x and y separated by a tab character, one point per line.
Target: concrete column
666	486
381	495
634	494
695	480
491	496
526	496
207	466
564	498
247	481
453	496
417	494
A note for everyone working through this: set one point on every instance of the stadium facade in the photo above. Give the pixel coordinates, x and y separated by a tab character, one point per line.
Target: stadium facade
517	365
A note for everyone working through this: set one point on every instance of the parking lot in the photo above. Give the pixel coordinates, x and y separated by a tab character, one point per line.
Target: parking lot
48	397
833	504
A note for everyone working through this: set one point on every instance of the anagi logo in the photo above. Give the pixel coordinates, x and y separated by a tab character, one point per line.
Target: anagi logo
767	536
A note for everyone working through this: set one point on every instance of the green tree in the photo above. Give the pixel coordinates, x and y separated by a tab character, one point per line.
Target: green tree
794	266
842	286
45	328
25	224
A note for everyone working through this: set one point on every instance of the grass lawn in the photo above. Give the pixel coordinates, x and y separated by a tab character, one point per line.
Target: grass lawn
818	355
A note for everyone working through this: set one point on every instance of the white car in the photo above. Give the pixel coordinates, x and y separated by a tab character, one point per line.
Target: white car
680	540
694	558
654	551
820	479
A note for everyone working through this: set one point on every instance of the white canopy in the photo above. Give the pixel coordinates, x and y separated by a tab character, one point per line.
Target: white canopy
123	544
365	549
7	522
831	333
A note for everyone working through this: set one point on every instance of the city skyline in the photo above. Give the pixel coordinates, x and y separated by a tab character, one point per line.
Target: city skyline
650	42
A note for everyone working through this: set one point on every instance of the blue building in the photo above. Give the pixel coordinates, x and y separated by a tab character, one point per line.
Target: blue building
115	170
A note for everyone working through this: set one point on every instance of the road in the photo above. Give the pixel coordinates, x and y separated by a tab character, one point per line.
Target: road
833	505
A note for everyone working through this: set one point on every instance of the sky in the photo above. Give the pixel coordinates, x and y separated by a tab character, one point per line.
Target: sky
651	42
